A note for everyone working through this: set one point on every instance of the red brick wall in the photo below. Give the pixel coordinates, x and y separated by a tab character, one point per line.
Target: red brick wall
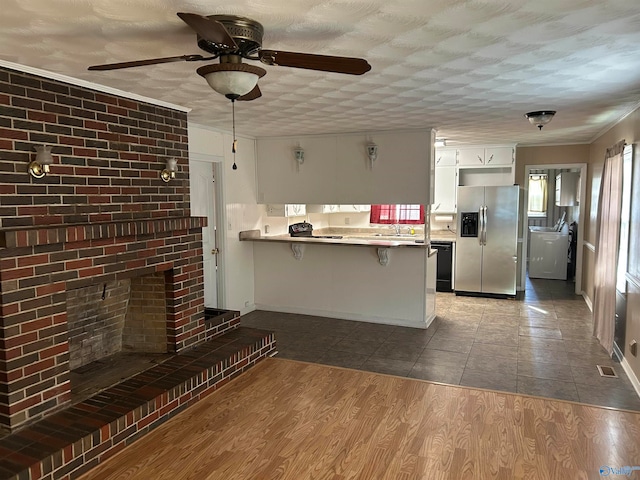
108	153
145	325
95	321
102	214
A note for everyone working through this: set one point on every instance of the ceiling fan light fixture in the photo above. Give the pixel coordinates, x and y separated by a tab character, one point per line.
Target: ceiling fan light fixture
540	118
232	80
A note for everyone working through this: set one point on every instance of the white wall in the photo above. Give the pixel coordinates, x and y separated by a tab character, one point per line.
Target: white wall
237	192
242	213
342	281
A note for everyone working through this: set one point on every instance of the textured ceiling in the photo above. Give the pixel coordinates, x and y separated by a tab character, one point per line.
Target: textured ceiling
470	69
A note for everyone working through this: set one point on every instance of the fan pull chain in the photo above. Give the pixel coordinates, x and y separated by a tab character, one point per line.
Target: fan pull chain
235	142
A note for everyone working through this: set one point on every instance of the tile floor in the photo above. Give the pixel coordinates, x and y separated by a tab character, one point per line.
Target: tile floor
540	345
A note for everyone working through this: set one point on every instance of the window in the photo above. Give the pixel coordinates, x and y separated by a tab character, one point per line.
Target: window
537	195
397	214
625	215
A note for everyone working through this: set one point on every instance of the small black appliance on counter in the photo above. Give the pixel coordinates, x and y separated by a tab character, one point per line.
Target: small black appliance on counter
305	229
301	229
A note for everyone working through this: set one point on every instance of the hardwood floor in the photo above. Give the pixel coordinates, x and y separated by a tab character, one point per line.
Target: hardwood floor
292	420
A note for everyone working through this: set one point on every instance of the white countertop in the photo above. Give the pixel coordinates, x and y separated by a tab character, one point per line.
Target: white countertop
355	240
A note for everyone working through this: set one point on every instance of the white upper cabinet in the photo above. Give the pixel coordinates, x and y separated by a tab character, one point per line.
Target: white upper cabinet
499	156
288	210
472	157
567	190
446	186
354	208
489	156
446	157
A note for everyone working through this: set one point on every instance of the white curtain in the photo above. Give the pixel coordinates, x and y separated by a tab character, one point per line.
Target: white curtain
607	241
538	193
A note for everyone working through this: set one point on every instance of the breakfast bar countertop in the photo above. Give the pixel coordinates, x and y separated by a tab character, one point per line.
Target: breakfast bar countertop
354	240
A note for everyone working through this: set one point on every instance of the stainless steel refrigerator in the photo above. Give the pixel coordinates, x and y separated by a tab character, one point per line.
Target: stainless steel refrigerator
487	240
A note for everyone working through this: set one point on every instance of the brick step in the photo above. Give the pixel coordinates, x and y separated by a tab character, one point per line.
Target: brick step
70	442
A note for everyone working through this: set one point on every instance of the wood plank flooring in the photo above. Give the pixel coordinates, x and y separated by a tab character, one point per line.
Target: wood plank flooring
292	420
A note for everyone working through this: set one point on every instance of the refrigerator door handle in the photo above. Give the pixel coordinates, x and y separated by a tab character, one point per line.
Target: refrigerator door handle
481	225
484	225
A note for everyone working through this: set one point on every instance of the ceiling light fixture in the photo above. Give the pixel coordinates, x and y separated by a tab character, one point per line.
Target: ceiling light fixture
540	118
231	79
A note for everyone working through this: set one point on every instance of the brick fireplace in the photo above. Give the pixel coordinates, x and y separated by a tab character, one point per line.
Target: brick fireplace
100	221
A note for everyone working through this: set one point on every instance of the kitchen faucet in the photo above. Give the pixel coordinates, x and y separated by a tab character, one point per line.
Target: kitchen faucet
396	227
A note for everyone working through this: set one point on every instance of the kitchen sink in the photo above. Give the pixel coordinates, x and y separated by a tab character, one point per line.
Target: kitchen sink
380	236
394	235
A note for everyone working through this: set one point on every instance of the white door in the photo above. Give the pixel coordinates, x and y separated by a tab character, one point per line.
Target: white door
203	205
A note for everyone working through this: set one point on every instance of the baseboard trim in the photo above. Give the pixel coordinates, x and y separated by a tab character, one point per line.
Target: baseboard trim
402	322
587	300
628	370
632	279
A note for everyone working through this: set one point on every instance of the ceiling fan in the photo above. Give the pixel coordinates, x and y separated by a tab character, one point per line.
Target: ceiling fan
231	39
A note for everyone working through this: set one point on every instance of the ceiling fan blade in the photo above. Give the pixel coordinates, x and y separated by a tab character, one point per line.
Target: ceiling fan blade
151	61
252	95
209	29
325	63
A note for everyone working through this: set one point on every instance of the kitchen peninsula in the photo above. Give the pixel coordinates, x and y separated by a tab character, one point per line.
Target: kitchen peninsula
385	279
355	277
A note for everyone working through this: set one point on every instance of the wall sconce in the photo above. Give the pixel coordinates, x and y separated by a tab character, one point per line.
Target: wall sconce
372	152
298	153
39	167
169	171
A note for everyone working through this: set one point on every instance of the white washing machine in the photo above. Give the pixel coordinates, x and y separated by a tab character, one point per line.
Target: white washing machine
548	253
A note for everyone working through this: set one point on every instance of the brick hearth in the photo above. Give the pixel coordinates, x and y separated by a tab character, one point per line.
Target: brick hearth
71	442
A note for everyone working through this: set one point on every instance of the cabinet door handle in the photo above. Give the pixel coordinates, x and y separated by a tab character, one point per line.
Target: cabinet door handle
438	161
437	207
479	158
490	158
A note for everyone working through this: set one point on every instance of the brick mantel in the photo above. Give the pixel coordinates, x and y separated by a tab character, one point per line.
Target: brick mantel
30	237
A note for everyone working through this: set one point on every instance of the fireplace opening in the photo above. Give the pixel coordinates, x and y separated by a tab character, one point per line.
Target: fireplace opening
116	330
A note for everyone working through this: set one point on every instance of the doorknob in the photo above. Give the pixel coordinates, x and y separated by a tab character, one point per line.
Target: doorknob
215	251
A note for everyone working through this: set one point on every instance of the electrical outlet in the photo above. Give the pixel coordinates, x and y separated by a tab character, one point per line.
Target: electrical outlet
347	221
266	229
246	304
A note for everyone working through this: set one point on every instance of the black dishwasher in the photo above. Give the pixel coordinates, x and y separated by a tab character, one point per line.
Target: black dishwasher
445	265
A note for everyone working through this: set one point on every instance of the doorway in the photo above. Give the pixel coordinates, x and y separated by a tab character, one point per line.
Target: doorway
550	215
204	194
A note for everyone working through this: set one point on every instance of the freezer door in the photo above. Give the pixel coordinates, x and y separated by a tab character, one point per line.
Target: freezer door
499	256
468	271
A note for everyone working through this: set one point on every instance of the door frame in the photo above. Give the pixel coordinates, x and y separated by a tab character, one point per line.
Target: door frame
221	231
217	163
525	217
